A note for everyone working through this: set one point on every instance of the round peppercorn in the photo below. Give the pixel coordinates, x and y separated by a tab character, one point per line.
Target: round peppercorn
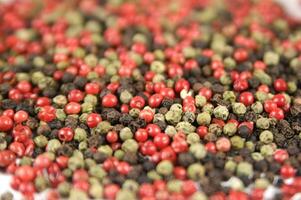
20	116
246	98
223	144
72	108
6	123
280	85
93	120
65	134
109	101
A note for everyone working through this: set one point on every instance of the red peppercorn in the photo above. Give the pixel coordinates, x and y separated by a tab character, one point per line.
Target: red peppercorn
47	113
155	100
202	131
6	158
179	173
109	101
182	84
287	171
75	96
246	98
92	88
240	85
112	136
237	195
124	108
147	115
6	123
280	85
148	148
240	55
210	146
159	86
65	134
277	113
269	106
123	168
41	162
93	120
9	113
25	173
167	93
43	101
161	140
137	102
20	116
72	108
280	155
190	187
110	191
18	148
141	135
279	99
206	92
24	86
146	190
223	144
263	88
62	161
179	145
168	154
153	129
80	175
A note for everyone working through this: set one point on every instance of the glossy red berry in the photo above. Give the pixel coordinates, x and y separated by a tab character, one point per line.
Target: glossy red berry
240	85
280	85
25	173
240	55
147	115
161	140
277	113
280	155
153	129
6	123
109	101
75	96
206	92
141	135
269	106
287	171
279	99
112	136
182	84
20	116
92	88
223	144
93	120
24	86
137	102
155	100
247	98
7	157
47	113
65	134
202	131
72	108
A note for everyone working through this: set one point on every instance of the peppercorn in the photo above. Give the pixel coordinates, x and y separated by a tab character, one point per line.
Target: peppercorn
244	168
96	191
229	129
64	189
204	118
198	150
185	127
221	112
195	171
77	194
129	145
239	108
266	137
237	142
164	167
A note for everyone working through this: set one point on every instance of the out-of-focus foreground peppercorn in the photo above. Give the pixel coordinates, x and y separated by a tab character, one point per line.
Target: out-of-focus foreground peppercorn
150	99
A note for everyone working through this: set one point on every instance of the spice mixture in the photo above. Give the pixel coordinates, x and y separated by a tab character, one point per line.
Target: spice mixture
150	99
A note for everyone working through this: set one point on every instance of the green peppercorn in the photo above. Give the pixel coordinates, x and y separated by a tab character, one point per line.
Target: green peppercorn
153	175
76	194
96	191
41	141
3	143
26	161
267	150
130	145
176	107
250	145
6	196
221	112
174	185
229	96
193	138
89	98
237	142
235	184
244	168
64	189
125	96
257	107
106	149
97	172
271	58
203	118
199	196
157	67
125	195
53	145
164	167
60	100
195	171
230	129
189	117
266	137
173	117
103	127
257	156
185	127
261	183
239	108
263	77
75	163
170	131
119	154
134	112
291	87
125	134
200	100
131	185
230	165
215	129
229	63
80	134
60	114
198	150
208	108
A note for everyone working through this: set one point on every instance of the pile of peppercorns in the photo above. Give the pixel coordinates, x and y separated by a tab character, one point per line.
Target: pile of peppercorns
150	99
